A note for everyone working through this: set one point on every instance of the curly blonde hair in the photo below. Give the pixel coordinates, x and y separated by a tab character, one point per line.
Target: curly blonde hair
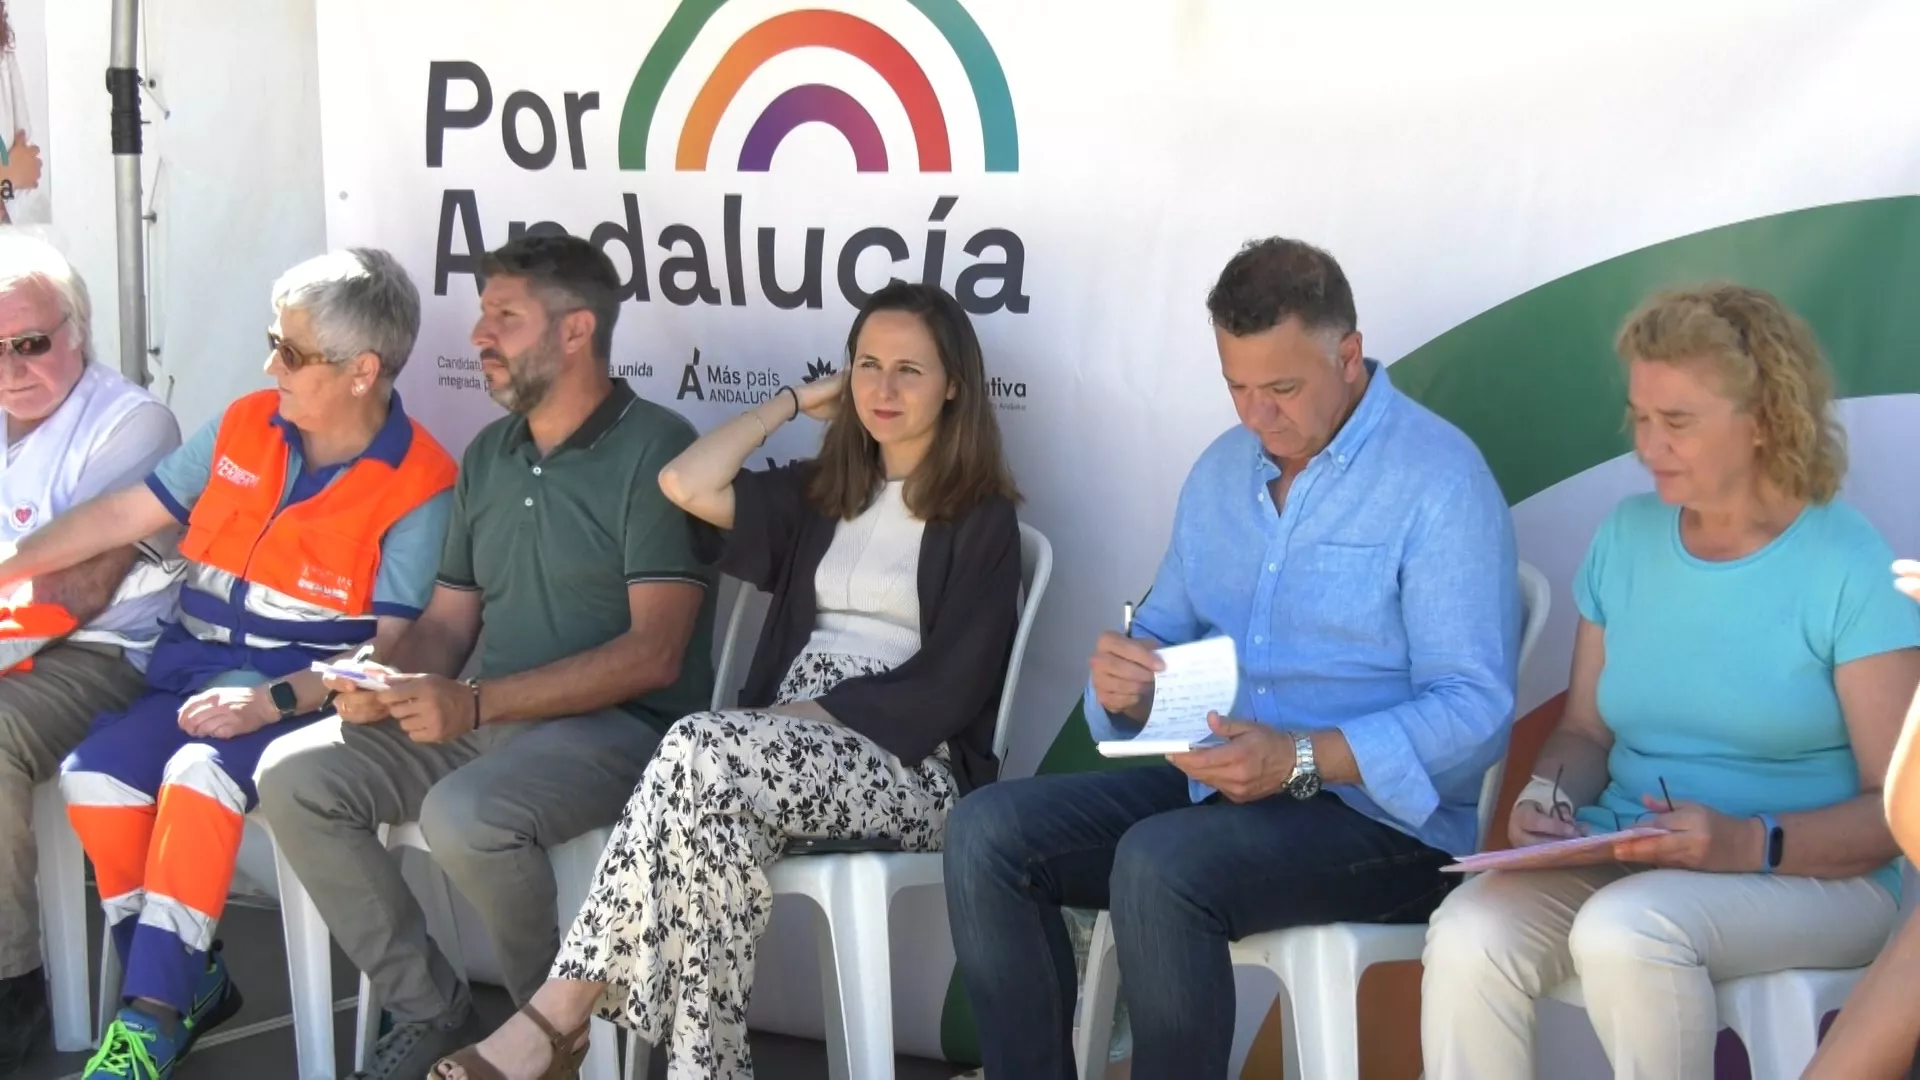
1767	361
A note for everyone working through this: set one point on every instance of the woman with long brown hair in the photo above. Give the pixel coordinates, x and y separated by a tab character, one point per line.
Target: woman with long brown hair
893	560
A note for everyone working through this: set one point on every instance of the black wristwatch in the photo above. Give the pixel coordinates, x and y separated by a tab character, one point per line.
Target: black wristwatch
284	699
1305	781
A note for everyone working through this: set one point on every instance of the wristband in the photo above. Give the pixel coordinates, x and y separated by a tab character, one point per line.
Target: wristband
474	685
1770	850
796	400
1545	792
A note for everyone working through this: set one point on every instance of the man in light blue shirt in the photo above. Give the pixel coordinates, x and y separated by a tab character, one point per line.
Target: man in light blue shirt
1358	552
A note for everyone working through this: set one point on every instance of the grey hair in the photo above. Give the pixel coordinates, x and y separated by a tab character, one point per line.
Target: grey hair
1330	339
25	258
360	300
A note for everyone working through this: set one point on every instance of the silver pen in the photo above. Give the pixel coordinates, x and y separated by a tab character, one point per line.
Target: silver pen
1126	619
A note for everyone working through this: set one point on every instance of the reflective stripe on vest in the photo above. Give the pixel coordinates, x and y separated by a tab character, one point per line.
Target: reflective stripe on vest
217	606
266	576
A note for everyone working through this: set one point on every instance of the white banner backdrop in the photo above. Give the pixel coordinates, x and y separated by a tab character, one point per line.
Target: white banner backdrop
1078	172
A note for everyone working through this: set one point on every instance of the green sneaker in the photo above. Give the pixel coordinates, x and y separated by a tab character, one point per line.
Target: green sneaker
136	1046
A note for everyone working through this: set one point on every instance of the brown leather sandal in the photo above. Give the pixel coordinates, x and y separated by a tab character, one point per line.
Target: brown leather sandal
568	1051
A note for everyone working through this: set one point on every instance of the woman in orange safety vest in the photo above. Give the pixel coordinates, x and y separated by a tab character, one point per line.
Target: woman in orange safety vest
314	514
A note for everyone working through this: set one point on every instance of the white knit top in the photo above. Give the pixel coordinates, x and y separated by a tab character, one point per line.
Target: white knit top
867	585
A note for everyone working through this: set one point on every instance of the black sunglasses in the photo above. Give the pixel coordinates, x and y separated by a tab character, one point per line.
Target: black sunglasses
28	346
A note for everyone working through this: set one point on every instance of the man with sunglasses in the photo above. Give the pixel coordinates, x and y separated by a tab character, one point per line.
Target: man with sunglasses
74	642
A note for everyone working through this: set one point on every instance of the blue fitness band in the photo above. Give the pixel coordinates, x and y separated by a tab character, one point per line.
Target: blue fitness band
1770	854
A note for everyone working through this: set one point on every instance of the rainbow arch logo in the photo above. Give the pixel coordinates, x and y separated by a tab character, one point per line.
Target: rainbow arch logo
818	102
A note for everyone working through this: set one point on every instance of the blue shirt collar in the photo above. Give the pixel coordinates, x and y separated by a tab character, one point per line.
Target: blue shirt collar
1347	442
390	444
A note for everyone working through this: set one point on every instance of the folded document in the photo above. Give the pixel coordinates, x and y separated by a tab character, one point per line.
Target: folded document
1199	678
354	673
1555	854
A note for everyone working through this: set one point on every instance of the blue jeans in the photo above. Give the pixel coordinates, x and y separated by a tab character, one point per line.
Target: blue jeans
1182	881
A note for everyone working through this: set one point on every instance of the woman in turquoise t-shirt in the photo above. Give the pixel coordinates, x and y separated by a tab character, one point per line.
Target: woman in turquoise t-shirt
1739	651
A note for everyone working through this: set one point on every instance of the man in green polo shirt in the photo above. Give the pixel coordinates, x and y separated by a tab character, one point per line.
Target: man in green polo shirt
586	583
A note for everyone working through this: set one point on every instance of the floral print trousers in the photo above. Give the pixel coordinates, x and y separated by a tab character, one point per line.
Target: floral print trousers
680	897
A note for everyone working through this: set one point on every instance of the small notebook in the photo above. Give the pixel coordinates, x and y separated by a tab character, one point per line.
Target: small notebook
1553	855
1199	678
368	680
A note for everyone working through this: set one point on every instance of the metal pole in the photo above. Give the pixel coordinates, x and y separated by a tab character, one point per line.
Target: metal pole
123	85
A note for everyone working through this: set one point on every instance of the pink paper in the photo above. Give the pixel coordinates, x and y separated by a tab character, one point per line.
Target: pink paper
1554	855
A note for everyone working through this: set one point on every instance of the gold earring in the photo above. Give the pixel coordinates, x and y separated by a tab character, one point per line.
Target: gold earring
359	389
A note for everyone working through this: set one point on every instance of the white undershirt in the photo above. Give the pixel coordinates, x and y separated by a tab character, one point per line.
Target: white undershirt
867	585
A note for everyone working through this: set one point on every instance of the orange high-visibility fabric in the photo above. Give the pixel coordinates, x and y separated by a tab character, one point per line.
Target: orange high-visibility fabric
324	550
34	621
117	839
196	841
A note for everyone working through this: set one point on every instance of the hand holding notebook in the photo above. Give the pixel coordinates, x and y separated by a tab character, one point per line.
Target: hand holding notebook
1198	679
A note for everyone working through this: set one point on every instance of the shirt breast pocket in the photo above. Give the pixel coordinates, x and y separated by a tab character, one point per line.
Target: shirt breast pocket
1348	592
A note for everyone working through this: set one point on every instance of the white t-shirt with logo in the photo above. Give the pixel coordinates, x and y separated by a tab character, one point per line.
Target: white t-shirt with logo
107	435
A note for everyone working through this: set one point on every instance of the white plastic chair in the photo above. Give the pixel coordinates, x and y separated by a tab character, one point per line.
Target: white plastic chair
62	886
1777	1016
855	890
309	972
1319	967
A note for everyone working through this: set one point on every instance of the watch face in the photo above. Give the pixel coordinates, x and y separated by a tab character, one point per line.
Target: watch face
283	696
1304	785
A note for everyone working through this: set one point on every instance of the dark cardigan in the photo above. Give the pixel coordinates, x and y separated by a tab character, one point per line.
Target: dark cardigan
969	582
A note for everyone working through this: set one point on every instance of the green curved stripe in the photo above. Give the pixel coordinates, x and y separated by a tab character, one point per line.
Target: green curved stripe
991	98
998	129
1535	382
643	97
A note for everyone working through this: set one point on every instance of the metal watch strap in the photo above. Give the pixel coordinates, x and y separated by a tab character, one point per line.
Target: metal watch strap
1304	783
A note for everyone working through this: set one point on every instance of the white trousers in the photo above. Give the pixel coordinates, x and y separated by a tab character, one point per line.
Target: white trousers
1647	947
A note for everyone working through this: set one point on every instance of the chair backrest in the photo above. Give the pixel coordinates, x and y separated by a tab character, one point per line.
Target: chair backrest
1036	569
733	653
1536	601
